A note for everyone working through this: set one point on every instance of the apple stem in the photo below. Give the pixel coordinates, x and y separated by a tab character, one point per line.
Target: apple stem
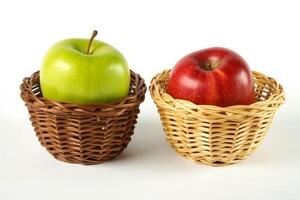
209	67
91	40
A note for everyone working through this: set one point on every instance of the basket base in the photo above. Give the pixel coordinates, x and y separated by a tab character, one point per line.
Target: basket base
84	161
213	160
215	163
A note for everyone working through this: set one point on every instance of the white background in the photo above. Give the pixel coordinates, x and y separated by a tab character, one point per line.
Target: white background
152	35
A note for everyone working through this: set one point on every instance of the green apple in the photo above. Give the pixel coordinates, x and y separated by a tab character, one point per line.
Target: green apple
84	71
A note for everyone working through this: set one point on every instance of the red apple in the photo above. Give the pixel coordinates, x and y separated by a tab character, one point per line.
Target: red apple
213	76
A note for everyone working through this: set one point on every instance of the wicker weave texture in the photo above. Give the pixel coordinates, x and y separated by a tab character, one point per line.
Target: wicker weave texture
214	135
86	134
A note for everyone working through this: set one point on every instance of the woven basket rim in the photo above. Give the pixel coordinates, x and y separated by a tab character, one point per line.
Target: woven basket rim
136	81
163	94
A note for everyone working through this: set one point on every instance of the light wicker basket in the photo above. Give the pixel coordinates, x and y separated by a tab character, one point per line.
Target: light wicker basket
86	134
217	135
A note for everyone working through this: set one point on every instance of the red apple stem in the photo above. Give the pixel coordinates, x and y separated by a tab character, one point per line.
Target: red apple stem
91	40
209	67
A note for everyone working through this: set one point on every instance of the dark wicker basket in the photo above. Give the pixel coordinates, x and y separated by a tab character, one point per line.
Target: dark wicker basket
86	134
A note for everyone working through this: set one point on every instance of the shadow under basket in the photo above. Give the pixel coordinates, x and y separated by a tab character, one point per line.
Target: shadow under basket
85	134
215	135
